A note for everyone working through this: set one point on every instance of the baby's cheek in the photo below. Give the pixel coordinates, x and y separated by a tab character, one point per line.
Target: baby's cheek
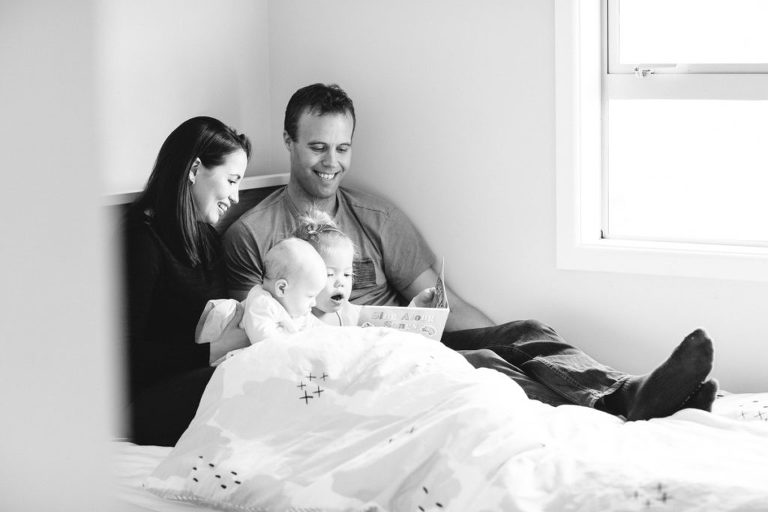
322	298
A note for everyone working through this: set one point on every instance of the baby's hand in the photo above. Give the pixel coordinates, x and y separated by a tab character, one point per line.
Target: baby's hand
423	299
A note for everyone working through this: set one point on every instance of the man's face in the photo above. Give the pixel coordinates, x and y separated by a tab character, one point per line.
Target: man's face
321	153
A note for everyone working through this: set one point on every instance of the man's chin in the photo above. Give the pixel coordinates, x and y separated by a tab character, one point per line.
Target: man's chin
327	185
326	190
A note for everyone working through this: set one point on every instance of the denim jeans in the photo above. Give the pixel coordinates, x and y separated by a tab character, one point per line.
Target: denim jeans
539	360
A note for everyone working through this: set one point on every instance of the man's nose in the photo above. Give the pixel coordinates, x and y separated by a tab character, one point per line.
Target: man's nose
330	159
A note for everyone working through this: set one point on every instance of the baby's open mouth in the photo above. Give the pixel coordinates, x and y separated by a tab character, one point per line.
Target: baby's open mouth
337	297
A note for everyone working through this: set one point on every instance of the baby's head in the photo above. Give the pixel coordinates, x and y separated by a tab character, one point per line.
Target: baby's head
294	273
337	251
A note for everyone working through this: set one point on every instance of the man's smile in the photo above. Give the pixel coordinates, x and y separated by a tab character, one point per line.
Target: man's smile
327	176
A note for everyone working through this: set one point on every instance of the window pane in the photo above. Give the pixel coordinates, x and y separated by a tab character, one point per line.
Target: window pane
688	170
693	31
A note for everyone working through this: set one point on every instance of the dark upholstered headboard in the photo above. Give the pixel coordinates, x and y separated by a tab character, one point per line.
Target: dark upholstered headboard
248	199
252	191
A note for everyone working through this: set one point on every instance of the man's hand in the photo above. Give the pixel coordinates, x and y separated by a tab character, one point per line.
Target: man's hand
463	315
424	299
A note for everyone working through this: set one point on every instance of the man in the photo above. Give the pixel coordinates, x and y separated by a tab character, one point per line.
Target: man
395	263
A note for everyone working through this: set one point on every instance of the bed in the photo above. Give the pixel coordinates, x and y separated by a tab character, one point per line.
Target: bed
382	420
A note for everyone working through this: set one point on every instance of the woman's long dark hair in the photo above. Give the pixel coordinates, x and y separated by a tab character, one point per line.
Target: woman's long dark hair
167	197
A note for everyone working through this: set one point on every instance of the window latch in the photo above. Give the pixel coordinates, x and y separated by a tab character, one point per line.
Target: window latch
643	72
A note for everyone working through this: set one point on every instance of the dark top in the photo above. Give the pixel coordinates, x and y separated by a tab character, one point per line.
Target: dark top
165	297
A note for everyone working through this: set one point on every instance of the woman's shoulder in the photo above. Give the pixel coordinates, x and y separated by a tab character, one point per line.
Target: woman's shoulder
139	233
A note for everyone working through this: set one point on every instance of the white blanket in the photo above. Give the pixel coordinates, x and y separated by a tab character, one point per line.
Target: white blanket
377	419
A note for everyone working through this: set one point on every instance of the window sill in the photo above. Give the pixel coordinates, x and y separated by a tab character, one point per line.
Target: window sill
665	258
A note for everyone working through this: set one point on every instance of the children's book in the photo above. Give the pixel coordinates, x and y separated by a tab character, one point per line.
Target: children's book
429	321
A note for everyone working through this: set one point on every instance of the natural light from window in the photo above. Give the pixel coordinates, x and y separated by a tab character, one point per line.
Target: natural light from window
688	170
693	31
661	130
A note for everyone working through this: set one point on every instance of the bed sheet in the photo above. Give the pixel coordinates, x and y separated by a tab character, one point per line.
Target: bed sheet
525	455
132	464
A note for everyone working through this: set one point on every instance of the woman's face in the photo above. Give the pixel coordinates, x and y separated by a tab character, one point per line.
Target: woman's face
338	262
214	189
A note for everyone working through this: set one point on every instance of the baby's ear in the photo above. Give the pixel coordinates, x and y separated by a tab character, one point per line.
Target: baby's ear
280	287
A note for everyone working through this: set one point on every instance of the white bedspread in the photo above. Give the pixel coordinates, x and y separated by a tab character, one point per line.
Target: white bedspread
376	419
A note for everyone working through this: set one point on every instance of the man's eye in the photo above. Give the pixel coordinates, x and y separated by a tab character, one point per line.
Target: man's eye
317	147
343	149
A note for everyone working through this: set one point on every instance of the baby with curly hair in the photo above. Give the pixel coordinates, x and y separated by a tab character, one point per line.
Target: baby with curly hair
332	304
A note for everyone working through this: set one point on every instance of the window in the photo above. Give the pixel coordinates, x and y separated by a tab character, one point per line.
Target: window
662	123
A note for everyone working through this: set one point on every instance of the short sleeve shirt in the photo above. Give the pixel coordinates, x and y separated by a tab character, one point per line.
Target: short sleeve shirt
390	253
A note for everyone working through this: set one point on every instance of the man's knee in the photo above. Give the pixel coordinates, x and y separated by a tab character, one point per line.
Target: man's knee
481	358
526	329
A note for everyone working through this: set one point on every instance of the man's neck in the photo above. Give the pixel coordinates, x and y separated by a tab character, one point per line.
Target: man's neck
303	202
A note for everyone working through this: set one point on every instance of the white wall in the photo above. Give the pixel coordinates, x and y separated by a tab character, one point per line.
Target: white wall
162	62
455	104
58	370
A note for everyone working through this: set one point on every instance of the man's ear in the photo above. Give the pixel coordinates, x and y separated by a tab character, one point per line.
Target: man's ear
280	287
193	170
287	140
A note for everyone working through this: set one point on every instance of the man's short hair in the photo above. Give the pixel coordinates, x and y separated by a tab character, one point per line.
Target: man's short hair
318	99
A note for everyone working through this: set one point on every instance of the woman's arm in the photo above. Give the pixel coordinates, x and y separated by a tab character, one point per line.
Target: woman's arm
233	337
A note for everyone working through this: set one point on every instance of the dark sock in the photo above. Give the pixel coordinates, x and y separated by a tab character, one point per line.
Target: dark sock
664	391
703	397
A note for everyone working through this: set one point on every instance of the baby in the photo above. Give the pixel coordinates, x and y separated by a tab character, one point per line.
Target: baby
294	274
307	282
332	305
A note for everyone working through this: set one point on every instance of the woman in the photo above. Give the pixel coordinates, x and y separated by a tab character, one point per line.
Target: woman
172	267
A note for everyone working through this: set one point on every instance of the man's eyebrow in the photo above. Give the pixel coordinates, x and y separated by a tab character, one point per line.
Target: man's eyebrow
314	142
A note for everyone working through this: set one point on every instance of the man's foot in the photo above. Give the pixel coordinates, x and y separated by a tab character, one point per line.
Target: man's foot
704	397
664	391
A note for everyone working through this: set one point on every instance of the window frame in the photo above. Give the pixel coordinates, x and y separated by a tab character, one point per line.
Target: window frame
580	61
614	67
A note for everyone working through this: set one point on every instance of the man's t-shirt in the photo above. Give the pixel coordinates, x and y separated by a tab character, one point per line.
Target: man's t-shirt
389	252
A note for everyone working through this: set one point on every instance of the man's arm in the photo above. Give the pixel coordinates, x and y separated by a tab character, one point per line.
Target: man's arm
242	262
463	314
